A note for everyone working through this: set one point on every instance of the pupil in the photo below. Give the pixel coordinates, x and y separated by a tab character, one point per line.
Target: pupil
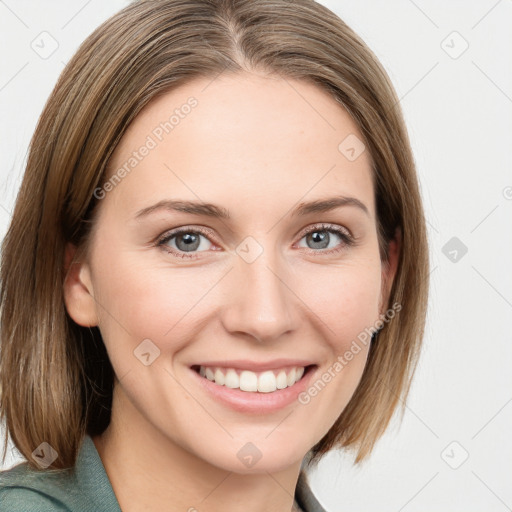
191	242
320	238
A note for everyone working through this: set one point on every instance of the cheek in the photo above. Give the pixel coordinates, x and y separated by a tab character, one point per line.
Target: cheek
345	298
156	302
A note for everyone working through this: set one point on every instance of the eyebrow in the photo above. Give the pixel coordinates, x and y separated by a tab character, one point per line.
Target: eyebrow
212	210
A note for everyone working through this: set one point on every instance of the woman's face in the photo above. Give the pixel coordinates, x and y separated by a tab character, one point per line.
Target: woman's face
248	289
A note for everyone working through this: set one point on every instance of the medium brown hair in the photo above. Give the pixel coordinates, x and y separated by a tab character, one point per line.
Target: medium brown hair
55	376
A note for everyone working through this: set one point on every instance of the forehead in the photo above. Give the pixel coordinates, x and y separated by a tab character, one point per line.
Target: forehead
266	140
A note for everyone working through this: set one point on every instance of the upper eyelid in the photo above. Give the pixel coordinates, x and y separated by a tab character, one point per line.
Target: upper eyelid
185	229
326	226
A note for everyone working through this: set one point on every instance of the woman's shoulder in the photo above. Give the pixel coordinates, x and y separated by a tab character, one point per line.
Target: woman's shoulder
23	489
85	487
304	496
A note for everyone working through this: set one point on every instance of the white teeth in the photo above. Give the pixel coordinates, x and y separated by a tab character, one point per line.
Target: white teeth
232	380
290	378
248	381
267	382
219	377
263	382
281	381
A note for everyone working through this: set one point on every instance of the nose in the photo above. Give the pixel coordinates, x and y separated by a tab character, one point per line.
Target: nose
262	301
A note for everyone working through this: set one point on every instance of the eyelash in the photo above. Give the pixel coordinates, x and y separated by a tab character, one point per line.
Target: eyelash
347	239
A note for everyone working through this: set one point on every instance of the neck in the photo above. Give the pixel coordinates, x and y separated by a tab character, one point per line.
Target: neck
149	471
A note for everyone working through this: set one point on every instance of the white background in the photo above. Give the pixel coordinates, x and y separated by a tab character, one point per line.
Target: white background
459	116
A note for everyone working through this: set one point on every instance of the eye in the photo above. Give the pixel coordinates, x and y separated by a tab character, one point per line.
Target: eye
185	240
320	237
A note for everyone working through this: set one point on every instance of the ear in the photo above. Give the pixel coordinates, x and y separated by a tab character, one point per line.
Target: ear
78	290
389	268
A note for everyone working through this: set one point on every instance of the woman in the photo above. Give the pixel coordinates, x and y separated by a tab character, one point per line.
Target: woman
217	265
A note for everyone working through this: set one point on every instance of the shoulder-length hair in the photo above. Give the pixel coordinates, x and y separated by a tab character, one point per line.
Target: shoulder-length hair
55	376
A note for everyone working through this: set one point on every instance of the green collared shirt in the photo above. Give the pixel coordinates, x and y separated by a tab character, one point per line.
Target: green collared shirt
86	488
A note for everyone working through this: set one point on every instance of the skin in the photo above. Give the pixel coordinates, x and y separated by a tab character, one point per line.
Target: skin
256	145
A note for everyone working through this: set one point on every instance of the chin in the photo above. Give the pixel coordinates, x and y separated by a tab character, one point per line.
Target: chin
254	458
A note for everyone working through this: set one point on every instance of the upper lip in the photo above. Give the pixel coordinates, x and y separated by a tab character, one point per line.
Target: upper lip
246	364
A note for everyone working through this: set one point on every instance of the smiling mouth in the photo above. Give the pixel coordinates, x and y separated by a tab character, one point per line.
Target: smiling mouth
267	381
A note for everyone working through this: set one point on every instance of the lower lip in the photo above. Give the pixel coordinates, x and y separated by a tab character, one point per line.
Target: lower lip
256	402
